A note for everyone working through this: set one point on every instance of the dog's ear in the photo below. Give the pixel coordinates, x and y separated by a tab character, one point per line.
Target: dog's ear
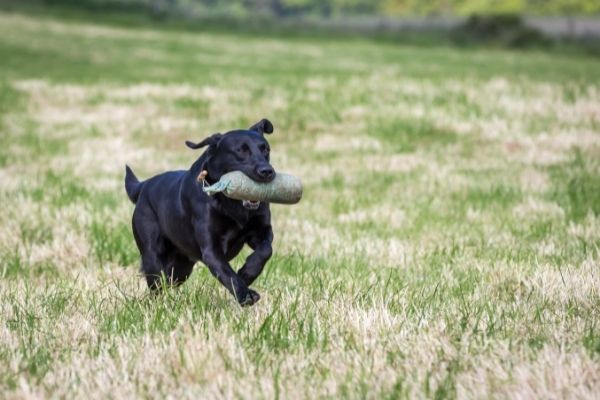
263	126
212	140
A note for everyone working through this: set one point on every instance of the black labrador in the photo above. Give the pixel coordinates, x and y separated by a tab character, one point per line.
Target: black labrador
175	224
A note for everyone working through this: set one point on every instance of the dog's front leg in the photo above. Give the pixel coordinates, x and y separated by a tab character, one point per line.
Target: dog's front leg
216	262
256	261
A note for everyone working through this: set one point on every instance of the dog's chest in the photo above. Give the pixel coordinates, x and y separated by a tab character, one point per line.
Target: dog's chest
232	242
239	216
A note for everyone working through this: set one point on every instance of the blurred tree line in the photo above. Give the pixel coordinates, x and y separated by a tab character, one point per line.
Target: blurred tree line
332	8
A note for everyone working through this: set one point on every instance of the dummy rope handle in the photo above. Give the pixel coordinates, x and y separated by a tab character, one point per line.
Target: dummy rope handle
202	177
217	187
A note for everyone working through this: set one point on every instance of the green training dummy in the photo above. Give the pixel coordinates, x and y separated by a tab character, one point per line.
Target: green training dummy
284	189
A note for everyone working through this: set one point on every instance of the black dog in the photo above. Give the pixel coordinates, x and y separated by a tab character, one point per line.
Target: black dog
175	224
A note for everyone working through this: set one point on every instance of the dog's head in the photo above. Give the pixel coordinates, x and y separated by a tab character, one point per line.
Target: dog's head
239	150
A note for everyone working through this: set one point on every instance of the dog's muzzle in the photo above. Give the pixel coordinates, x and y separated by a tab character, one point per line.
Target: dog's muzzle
250	205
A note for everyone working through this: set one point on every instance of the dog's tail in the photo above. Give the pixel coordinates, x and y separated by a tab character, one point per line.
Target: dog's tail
133	186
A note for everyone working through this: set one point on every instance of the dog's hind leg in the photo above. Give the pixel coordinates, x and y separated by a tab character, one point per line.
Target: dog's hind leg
151	244
179	268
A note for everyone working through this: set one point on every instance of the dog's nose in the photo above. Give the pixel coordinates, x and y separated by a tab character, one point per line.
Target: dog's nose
265	172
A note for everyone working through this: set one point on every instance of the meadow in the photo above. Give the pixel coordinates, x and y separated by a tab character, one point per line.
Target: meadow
447	245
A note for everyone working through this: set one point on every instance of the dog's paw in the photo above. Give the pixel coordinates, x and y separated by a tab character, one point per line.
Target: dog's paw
249	298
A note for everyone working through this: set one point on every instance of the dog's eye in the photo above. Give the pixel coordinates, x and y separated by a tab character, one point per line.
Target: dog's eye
264	148
243	149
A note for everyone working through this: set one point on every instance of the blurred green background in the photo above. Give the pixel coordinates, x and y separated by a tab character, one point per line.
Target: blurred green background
328	8
564	24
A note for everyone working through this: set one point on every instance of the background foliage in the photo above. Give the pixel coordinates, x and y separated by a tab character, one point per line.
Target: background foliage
355	7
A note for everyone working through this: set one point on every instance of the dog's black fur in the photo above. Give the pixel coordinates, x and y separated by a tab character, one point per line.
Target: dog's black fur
175	224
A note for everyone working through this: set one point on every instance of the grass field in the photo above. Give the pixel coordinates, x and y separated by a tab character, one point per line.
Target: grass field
448	243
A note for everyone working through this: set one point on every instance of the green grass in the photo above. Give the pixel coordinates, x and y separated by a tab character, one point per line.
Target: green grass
447	244
578	186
